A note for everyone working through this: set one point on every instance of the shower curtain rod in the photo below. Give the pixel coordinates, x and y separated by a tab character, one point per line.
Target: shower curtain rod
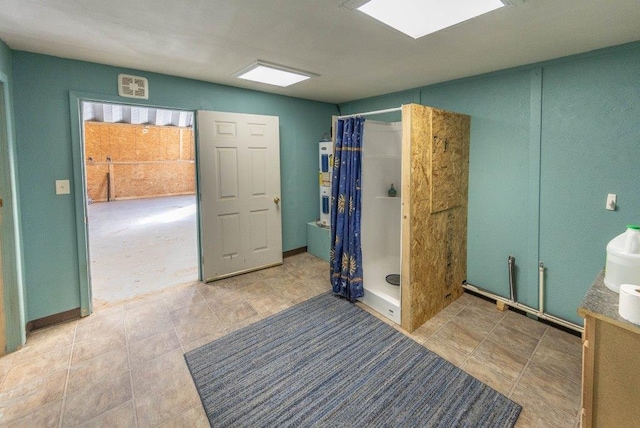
369	113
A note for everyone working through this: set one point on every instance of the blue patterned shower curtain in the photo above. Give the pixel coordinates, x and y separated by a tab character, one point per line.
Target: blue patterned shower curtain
346	251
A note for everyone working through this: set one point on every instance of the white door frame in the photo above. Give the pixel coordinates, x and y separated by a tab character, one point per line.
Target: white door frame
79	189
11	245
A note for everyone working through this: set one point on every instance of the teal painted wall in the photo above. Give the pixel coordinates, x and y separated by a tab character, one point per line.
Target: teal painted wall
590	147
5	58
498	176
11	237
546	149
42	116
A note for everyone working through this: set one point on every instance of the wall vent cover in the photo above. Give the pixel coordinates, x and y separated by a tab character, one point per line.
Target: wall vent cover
133	86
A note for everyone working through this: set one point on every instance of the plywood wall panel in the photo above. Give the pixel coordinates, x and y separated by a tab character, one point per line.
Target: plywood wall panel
143	180
97	181
187	147
145	161
125	138
171	143
448	156
434	243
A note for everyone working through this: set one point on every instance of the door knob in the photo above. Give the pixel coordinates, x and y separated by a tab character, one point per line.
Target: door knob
276	200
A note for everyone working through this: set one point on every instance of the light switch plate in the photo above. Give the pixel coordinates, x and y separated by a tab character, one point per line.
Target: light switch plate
62	187
611	202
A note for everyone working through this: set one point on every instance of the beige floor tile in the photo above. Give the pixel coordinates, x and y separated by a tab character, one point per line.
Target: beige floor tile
460	337
145	324
544	383
87	349
518	342
449	353
100	325
153	346
212	290
427	329
254	290
45	416
482	322
232	326
158	371
235	313
151	334
195	417
109	364
200	342
466	298
319	283
150	304
454	308
499	359
487	311
120	417
179	297
537	413
224	300
5	364
269	304
195	322
26	370
165	403
308	270
95	398
28	397
236	282
563	341
48	339
564	364
524	324
488	376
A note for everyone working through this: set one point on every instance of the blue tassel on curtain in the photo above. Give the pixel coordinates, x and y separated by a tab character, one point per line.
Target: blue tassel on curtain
346	251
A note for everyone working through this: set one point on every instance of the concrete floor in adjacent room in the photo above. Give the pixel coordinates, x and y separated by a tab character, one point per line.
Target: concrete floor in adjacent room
141	246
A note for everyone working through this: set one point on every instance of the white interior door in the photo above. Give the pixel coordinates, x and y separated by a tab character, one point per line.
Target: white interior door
239	167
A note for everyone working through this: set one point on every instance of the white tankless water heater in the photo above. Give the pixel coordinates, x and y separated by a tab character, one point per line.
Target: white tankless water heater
326	169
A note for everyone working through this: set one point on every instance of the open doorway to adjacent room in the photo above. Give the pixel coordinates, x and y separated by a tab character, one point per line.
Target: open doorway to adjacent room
140	175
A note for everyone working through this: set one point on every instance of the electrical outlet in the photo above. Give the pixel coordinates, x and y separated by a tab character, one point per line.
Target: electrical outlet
62	187
611	202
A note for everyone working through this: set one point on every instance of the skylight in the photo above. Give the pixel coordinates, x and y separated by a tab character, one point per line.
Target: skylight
417	18
272	74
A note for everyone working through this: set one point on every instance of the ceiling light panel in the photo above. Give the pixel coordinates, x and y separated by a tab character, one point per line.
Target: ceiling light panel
272	74
417	18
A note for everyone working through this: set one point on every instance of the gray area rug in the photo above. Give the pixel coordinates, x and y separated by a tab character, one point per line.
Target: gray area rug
328	363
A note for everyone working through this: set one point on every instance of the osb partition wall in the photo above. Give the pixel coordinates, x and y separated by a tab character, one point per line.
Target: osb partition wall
435	157
126	161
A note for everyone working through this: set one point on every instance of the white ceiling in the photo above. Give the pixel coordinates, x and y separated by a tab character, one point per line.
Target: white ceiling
354	55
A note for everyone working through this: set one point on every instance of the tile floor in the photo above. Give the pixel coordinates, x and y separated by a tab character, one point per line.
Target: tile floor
123	366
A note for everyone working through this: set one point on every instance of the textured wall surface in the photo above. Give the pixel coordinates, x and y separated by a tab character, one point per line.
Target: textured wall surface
548	142
44	85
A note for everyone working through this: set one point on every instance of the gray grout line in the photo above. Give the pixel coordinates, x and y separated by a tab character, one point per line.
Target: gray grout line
284	274
126	344
66	382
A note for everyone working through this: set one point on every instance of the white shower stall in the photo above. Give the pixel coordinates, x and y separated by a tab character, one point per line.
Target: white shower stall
381	216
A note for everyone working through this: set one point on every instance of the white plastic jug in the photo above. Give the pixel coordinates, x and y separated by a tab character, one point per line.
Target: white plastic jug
623	259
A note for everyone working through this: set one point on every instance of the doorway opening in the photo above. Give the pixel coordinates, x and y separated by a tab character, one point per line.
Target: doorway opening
140	178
